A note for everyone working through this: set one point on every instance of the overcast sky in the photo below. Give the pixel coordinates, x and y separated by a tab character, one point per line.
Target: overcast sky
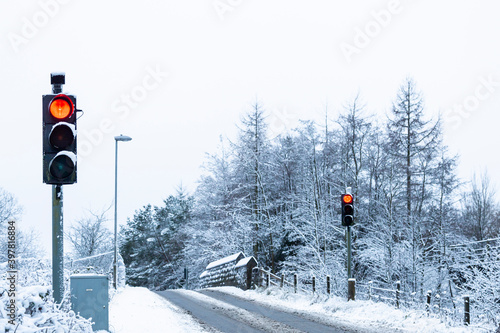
175	75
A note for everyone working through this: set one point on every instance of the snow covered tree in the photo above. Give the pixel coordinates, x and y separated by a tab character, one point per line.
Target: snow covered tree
251	170
153	241
445	217
27	239
9	208
413	144
479	209
220	225
89	235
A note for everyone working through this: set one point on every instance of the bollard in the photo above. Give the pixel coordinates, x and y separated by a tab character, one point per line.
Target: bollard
268	277
466	310
398	292
282	281
314	284
328	284
351	289
295	283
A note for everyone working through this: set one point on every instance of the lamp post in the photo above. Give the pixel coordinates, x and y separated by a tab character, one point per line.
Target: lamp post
117	138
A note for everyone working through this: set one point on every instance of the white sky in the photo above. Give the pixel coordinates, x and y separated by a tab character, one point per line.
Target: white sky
210	65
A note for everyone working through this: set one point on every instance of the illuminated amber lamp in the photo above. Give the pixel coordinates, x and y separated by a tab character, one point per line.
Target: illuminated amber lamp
61	107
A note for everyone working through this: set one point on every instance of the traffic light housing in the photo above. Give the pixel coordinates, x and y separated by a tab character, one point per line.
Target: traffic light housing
347	210
59	139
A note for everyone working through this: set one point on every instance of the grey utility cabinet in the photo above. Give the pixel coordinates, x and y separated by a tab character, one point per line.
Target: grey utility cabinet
89	298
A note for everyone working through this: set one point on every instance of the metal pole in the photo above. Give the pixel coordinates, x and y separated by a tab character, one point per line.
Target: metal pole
351	289
115	264
57	80
349	271
57	244
116	191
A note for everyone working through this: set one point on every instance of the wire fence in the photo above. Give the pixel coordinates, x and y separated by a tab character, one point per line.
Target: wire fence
457	310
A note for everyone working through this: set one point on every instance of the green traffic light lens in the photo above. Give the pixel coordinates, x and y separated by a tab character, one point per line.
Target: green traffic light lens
61	167
348	220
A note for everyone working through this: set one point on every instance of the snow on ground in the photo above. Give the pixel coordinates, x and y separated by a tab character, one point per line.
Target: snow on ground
256	320
136	309
367	315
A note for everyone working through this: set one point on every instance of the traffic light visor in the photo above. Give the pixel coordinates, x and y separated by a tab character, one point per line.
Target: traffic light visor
61	107
347	198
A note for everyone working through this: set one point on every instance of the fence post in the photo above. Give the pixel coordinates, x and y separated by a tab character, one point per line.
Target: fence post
295	283
370	290
268	277
314	284
328	284
351	289
466	310
398	291
428	304
282	281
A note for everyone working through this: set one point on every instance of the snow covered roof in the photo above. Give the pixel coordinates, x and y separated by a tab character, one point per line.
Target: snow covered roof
225	260
203	274
88	276
244	261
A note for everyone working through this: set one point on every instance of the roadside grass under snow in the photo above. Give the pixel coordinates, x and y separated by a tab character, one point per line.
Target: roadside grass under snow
368	315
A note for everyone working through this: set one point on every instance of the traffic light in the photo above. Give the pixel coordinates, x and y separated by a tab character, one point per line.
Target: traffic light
59	139
347	210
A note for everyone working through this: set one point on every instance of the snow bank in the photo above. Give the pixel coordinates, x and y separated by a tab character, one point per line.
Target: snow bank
36	312
136	309
366	315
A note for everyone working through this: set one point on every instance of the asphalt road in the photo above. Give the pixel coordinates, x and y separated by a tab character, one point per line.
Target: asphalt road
236	315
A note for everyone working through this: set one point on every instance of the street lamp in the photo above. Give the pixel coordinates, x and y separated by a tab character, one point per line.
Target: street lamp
117	138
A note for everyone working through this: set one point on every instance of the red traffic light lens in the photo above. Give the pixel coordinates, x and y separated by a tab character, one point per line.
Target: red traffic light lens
61	107
347	198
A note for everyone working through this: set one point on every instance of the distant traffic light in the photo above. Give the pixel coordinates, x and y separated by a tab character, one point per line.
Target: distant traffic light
347	210
59	139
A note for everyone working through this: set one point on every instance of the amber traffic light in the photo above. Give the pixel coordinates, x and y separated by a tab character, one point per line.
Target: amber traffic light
61	107
347	210
59	139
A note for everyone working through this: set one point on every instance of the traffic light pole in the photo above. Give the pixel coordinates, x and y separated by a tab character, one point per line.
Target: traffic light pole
115	259
349	260
57	231
57	244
